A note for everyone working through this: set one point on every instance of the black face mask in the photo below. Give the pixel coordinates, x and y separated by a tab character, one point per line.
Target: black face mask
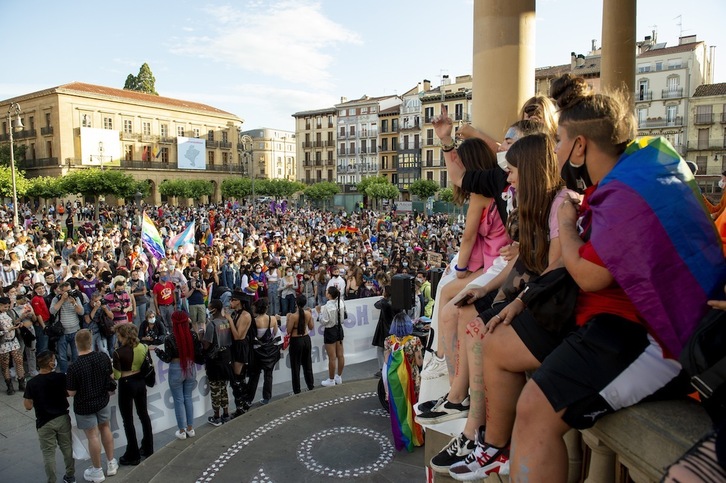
576	177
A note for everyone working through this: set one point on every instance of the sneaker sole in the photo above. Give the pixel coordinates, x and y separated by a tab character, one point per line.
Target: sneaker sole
480	474
443	418
443	470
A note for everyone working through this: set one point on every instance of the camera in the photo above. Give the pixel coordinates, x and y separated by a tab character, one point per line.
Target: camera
74	293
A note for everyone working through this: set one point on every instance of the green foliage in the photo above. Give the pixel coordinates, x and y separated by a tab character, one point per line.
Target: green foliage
45	187
236	188
322	191
447	195
194	189
383	191
6	183
424	188
279	188
18	151
143	82
96	182
362	187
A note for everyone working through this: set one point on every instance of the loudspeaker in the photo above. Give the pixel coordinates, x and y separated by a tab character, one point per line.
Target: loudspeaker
402	292
435	275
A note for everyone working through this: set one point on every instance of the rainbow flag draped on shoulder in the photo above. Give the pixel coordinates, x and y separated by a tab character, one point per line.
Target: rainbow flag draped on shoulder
651	229
407	433
151	239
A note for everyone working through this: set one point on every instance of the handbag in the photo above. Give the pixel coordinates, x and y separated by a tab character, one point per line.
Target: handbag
54	331
105	325
551	299
148	371
27	335
286	341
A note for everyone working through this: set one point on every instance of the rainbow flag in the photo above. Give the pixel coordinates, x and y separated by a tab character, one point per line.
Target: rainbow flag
401	398
208	238
151	239
185	237
651	229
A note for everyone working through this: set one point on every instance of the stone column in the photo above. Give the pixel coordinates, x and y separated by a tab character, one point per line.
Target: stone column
618	45
602	460
503	71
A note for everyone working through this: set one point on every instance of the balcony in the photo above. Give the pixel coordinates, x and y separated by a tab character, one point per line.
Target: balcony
660	122
46	131
672	93
711	144
342	152
723	118
25	134
411	127
703	119
643	96
4	138
373	150
130	136
307	144
462	117
149	138
167	140
409	146
38	163
212	144
225	144
430	142
330	162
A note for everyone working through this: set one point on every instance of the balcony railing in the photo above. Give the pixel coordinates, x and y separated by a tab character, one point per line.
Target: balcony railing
672	93
4	137
130	136
643	96
167	140
430	142
38	163
212	144
25	133
462	117
411	127
703	119
307	144
149	138
655	123
723	118
46	131
410	145
706	145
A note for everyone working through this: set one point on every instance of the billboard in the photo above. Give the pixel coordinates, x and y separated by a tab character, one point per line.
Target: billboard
191	153
100	147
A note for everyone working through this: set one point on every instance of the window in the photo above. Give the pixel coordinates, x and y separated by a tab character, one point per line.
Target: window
394	144
442	179
342	131
31	121
352	148
373	109
342	113
262	145
342	148
643	93
180	131
704	114
47	119
364	110
146	128
210	135
643	67
164	130
430	137
128	126
384	125
703	135
210	158
429	157
642	117
458	112
49	148
195	132
164	155
352	130
394	125
129	152
429	114
31	154
224	136
384	144
107	123
225	158
701	162
671	115
674	63
658	65
430	175
85	120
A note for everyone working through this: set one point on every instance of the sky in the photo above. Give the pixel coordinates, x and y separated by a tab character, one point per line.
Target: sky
264	60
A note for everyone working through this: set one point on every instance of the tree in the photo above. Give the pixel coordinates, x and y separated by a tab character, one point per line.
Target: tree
143	82
180	188
236	188
199	187
96	182
18	151
383	191
447	195
366	182
45	188
6	182
322	191
278	188
423	188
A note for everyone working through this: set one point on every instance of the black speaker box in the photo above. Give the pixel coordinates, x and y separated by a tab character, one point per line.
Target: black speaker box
402	292
435	275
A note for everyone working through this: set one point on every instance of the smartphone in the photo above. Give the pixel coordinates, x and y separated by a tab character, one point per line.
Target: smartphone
464	301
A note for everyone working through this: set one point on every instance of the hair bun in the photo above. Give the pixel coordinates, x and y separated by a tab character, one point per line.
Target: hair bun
568	90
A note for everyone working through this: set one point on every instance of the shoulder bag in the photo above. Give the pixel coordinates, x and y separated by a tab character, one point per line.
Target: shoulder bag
148	371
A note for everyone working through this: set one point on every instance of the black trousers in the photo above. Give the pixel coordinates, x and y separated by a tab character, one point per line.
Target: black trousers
301	355
132	391
256	368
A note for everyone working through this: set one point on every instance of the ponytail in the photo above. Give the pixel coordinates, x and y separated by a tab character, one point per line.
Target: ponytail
301	302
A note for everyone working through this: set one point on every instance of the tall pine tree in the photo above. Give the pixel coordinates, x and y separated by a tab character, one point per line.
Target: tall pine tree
143	82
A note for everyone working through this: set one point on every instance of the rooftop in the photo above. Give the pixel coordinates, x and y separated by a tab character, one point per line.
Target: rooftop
710	90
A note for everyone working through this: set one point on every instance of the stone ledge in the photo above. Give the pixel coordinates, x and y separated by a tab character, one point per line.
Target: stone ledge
648	437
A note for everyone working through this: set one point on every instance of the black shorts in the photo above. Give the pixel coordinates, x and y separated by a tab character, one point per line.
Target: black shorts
608	364
485	303
540	341
333	334
241	351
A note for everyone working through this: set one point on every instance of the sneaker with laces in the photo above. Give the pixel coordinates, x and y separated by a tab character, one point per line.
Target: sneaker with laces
482	462
445	412
457	450
69	479
427	406
180	434
190	433
338	380
214	420
328	383
112	467
225	418
94	475
435	368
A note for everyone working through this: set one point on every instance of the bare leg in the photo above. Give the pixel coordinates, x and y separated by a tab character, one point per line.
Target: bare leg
340	356
538	450
505	360
106	439
94	446
474	340
447	321
332	357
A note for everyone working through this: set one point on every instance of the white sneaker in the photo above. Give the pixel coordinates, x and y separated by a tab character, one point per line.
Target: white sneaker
180	434
435	368
112	467
190	433
328	382
94	475
338	379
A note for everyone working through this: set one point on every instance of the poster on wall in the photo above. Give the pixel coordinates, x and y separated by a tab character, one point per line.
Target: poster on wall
191	153
100	147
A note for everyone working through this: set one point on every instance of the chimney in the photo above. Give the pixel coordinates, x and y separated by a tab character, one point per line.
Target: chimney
580	60
687	39
594	47
573	60
445	81
426	85
343	99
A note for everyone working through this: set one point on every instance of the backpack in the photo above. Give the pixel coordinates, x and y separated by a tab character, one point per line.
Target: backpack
704	359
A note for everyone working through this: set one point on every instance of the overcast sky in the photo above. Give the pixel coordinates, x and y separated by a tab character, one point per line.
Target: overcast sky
266	59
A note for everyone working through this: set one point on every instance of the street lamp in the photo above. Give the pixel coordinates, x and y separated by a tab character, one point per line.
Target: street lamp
138	197
14	107
246	141
100	154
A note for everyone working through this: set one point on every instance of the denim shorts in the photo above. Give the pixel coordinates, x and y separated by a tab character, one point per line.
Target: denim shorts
89	421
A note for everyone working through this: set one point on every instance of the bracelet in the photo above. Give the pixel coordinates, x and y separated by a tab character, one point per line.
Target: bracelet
519	297
456	267
448	147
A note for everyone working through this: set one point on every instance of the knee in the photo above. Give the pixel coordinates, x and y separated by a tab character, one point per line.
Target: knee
532	405
475	331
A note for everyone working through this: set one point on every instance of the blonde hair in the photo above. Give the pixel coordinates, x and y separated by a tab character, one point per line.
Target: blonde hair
130	334
84	338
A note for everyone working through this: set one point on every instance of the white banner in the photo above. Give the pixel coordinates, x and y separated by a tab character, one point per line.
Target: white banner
191	153
359	328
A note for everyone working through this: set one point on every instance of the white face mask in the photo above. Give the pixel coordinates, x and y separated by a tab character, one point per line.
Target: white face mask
721	184
502	159
152	320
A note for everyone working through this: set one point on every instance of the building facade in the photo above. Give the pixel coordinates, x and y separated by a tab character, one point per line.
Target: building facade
707	129
153	138
315	140
273	154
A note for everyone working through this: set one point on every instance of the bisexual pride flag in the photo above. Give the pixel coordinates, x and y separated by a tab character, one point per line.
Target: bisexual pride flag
151	239
651	229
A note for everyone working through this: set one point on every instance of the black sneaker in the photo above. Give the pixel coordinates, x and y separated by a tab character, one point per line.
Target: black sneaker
457	450
225	418
445	412
238	412
69	479
215	420
427	406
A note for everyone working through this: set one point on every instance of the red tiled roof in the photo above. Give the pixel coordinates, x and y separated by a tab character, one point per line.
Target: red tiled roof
128	95
390	110
676	49
710	90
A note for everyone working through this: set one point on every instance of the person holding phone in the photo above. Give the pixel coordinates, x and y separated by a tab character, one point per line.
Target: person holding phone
10	347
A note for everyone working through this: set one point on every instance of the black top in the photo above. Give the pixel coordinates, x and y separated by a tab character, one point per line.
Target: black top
49	396
89	376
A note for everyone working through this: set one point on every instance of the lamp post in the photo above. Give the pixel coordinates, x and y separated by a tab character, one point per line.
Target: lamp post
100	154
249	159
14	108
137	198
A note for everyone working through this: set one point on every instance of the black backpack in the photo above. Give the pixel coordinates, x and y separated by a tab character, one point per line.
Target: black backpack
704	359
